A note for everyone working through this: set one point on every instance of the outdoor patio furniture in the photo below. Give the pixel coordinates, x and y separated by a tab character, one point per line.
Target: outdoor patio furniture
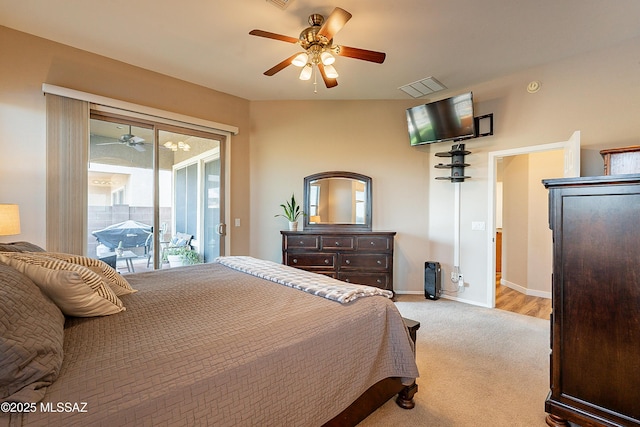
132	234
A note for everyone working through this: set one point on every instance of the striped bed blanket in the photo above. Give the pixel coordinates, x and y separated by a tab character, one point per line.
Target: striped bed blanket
316	284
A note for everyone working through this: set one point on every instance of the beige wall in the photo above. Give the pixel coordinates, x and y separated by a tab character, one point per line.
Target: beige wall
515	219
540	255
22	120
292	139
527	243
281	142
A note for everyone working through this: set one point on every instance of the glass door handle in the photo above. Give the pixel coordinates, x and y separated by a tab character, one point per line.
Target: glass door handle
221	229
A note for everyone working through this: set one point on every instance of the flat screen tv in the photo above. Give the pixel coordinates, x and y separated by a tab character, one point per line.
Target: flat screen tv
445	120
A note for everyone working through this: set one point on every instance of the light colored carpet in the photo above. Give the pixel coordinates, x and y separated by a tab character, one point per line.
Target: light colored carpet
478	367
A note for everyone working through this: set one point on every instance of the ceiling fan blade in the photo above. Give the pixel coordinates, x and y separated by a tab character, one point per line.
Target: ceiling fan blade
281	66
328	81
365	55
334	23
109	143
274	36
138	147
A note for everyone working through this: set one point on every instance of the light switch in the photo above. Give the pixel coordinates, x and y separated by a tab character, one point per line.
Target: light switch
478	225
237	222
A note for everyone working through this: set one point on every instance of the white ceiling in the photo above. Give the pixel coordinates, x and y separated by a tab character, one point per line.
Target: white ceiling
459	42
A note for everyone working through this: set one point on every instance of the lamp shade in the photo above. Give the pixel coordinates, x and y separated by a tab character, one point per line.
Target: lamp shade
330	71
9	220
306	72
300	60
327	58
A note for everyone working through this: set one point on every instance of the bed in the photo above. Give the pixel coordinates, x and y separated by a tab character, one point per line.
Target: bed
236	342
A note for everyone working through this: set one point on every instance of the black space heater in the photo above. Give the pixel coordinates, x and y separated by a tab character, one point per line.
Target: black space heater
432	280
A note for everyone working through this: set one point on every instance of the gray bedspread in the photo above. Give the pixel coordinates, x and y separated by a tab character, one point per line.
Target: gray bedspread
208	345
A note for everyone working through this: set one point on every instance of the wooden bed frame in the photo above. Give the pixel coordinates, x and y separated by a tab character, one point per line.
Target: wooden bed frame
379	393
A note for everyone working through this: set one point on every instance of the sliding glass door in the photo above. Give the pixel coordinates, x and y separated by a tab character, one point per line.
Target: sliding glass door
152	187
197	192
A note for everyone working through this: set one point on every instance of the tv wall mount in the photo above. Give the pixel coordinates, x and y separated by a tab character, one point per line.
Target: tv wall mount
458	152
456	165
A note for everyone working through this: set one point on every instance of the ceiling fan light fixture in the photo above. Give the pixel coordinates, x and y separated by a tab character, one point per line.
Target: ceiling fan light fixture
306	72
330	71
300	60
327	58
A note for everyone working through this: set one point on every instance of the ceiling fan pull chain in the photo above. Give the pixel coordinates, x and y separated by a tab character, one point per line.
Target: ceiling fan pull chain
315	80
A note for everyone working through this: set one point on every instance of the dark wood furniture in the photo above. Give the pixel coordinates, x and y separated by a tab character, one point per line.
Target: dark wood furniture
595	322
362	257
380	393
337	201
623	160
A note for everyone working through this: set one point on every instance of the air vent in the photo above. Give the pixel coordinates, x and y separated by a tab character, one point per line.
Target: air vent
423	87
281	4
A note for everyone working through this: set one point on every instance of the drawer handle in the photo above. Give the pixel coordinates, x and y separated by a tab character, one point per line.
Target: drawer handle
347	280
348	261
326	261
379	262
301	243
372	243
295	260
379	281
337	243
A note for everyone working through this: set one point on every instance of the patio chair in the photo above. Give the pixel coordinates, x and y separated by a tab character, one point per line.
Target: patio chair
178	240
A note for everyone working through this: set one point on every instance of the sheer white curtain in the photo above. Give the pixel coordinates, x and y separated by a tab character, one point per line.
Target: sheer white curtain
67	156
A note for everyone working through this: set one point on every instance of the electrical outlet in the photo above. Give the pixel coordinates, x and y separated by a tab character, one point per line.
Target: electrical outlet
454	277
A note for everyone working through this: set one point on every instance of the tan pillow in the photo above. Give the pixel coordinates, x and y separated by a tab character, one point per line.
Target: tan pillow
118	284
31	339
75	289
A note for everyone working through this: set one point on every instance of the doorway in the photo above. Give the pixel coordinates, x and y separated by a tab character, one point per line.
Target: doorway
150	186
570	151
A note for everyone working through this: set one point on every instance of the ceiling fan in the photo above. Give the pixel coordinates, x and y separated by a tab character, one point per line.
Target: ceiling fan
129	140
319	50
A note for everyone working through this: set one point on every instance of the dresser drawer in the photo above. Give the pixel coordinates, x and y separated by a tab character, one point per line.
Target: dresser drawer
302	242
368	261
379	280
310	261
374	243
342	243
360	257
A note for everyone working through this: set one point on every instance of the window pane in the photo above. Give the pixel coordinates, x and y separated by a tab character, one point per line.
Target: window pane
196	189
120	192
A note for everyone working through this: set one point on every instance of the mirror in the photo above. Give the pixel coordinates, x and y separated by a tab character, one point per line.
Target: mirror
337	201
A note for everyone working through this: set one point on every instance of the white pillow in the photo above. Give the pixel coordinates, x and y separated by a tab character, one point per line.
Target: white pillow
118	284
75	289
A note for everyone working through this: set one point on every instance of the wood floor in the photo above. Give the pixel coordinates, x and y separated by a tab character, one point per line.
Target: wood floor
511	300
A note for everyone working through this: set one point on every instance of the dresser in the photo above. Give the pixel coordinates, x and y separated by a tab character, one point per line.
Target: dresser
362	257
595	322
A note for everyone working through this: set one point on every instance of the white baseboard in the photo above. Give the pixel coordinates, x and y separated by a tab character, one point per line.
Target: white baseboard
466	301
526	291
445	296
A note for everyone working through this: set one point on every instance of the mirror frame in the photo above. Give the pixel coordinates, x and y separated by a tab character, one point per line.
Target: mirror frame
338	227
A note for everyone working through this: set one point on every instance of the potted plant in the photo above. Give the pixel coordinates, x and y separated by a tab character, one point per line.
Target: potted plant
181	255
292	212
